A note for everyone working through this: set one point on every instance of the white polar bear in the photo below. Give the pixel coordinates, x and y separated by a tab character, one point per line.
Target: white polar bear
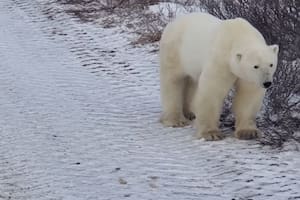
201	59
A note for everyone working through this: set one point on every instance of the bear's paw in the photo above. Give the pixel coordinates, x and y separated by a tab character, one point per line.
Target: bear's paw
175	121
248	134
212	135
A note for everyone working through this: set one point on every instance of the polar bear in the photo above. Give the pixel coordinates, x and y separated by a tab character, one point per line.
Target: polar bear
201	59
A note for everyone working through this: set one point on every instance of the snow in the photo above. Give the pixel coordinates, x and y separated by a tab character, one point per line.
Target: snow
170	9
79	120
166	8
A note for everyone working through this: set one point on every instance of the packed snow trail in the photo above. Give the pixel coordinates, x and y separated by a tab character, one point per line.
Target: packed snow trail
79	120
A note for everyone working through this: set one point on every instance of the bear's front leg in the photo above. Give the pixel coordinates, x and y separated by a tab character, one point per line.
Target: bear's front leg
208	104
247	103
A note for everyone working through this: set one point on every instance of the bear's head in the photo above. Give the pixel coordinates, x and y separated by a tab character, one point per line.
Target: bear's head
256	64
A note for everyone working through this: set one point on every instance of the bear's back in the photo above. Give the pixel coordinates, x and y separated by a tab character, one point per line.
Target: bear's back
197	38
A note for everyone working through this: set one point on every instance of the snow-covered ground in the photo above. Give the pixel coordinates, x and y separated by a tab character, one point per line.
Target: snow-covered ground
170	9
79	121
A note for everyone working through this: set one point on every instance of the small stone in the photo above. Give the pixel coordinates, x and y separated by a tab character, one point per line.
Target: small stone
153	177
122	181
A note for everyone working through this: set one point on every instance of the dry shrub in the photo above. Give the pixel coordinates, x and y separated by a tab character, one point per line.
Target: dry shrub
149	30
152	23
132	15
91	10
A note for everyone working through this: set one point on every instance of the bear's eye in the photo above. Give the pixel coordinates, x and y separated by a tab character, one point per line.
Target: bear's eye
256	67
271	65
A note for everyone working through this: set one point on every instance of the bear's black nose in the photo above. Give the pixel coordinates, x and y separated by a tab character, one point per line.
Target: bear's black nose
267	84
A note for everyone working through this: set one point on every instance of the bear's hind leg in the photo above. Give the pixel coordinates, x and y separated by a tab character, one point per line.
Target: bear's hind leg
189	94
246	104
172	100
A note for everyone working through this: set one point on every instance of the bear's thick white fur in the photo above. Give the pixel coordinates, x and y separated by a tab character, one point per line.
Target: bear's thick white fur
201	59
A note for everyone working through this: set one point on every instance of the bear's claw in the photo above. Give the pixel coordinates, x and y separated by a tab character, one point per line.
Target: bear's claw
189	115
248	134
180	122
213	135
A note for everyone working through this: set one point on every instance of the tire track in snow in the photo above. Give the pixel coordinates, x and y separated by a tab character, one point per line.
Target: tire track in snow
99	129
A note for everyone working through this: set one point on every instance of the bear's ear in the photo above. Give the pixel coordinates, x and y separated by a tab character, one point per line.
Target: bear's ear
238	57
275	48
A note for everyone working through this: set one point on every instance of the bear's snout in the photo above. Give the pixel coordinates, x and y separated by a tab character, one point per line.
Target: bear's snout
267	84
